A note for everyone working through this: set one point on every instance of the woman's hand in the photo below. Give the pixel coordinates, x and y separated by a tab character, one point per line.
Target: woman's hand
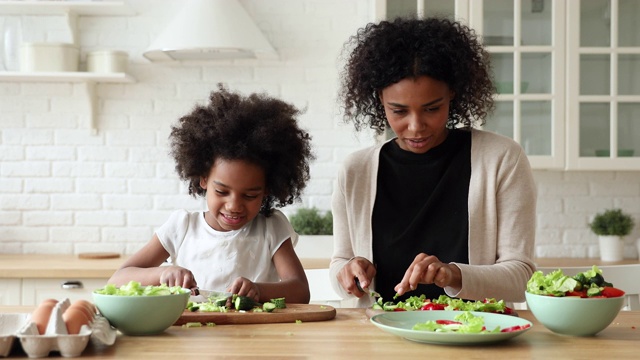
177	276
245	287
359	268
428	269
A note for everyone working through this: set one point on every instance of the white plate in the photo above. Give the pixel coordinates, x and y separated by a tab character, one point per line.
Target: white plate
401	323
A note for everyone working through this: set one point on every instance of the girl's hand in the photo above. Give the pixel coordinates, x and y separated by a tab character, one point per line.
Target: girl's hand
359	268
245	287
428	269
177	276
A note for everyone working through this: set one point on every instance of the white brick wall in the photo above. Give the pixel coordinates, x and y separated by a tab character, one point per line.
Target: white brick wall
63	190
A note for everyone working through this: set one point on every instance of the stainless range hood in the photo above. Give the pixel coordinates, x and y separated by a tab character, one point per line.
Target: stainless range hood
210	30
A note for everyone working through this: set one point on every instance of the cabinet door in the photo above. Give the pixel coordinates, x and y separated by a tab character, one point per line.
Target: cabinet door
34	291
10	291
603	90
526	41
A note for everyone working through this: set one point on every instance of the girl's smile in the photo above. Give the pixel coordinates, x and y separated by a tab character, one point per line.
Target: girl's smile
235	190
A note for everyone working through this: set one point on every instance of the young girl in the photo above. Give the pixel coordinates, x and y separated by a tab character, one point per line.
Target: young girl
244	155
441	208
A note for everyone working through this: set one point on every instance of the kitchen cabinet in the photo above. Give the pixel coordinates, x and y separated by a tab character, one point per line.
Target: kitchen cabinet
27	279
603	84
34	291
71	10
10	292
567	75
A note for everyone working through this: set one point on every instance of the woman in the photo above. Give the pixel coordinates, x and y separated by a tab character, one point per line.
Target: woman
441	208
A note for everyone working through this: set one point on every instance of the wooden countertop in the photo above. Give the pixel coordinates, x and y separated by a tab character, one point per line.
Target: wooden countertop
351	336
50	266
572	262
71	266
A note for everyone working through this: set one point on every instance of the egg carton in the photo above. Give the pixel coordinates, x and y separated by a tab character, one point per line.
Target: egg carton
56	338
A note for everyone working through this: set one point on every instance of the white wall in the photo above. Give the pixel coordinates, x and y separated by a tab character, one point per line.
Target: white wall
63	190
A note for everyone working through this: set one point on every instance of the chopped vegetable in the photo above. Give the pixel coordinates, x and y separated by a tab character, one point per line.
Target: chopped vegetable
465	323
268	306
590	283
244	303
134	288
279	302
192	324
444	302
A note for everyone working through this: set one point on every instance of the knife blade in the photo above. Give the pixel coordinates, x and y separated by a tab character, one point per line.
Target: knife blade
202	295
367	291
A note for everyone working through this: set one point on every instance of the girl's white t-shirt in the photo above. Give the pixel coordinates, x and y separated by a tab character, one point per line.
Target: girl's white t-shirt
217	258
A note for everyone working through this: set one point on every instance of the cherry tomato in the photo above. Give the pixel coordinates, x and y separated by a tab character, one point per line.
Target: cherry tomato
508	310
447	322
582	294
399	309
612	292
515	328
432	306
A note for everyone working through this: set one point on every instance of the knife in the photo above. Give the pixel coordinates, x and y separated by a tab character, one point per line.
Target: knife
370	292
201	295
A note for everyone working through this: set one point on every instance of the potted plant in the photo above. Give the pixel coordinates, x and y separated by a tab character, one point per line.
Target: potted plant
610	226
315	230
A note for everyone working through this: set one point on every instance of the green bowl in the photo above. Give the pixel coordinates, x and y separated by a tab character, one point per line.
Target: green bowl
141	315
573	315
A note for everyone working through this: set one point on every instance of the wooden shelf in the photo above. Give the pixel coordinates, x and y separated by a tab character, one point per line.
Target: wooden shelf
88	8
77	76
86	79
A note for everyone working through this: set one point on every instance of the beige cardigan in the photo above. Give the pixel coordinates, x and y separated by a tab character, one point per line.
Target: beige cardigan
502	211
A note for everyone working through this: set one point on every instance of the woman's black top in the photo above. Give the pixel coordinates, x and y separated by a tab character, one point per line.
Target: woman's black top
421	206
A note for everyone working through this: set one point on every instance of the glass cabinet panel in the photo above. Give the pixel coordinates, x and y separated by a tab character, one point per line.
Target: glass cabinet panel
442	8
629	74
498	22
595	74
503	72
594	129
595	23
628	130
536	22
501	121
536	127
607	100
536	73
628	28
525	72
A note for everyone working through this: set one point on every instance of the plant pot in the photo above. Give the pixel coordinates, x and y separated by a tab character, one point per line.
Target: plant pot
611	248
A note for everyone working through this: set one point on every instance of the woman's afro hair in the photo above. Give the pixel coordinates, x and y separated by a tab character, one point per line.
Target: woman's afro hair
382	54
257	129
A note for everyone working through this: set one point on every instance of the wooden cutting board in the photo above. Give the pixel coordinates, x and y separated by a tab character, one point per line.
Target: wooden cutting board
293	312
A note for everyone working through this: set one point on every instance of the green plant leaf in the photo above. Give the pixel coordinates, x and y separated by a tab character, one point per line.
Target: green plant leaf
309	221
612	222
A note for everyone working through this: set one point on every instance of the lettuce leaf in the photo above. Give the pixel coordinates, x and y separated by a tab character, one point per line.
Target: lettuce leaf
134	288
554	283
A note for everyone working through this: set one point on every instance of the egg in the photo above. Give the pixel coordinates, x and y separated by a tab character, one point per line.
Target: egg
74	318
84	308
40	316
87	304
